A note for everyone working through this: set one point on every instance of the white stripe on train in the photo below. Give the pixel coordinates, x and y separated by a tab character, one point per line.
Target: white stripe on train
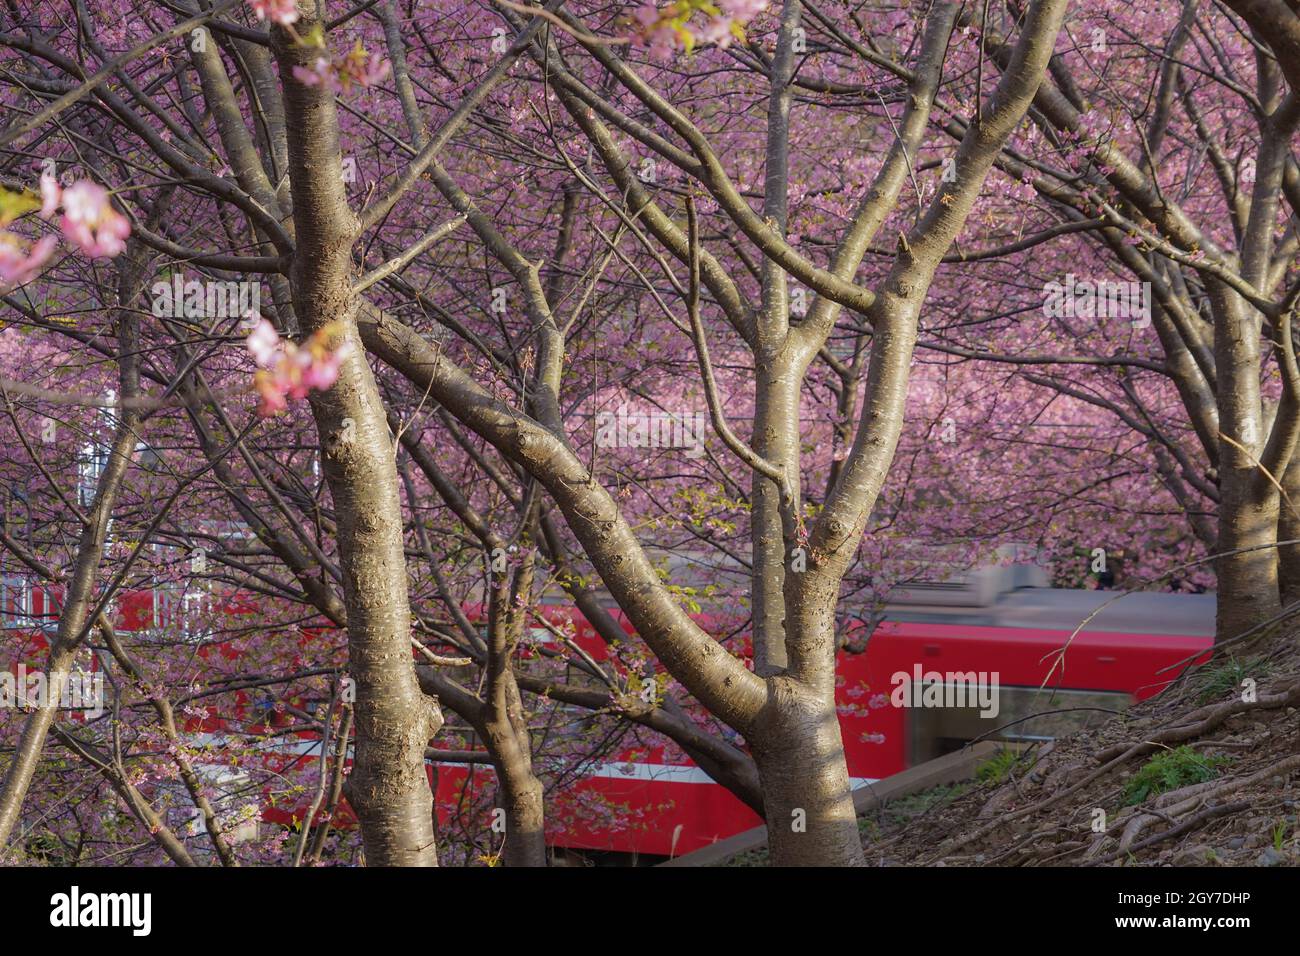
653	772
669	773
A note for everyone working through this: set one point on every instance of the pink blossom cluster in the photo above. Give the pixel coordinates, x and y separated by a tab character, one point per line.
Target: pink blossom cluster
283	12
665	29
358	68
19	261
287	370
89	222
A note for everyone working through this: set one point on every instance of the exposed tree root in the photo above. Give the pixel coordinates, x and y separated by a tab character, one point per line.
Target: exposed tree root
1209	813
1201	722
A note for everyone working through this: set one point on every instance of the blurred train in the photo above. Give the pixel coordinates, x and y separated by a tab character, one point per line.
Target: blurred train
913	685
907	691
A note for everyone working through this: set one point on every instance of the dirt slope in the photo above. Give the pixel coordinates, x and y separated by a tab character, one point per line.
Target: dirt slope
1208	773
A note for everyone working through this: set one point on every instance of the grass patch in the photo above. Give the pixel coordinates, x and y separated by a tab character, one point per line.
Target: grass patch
903	810
1170	770
1219	680
909	808
998	767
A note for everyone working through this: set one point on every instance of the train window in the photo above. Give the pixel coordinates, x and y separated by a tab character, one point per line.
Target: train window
196	614
540	635
90	465
15	602
1024	714
186	615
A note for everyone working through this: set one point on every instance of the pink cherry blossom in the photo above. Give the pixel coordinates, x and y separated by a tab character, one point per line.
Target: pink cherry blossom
742	10
362	67
664	30
323	373
51	195
289	370
272	401
358	67
19	264
716	31
90	222
647	15
283	12
321	73
264	343
375	71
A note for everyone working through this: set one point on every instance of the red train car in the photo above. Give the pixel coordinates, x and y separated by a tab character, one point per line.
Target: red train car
983	656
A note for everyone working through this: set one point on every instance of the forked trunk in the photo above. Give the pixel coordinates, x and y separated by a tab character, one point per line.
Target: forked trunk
806	790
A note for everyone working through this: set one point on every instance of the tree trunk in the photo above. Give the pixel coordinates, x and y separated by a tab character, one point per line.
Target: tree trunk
521	796
1248	503
1248	582
388	788
1288	529
806	792
75	616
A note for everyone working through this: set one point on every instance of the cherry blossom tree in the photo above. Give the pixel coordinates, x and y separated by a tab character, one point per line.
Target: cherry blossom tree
488	230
